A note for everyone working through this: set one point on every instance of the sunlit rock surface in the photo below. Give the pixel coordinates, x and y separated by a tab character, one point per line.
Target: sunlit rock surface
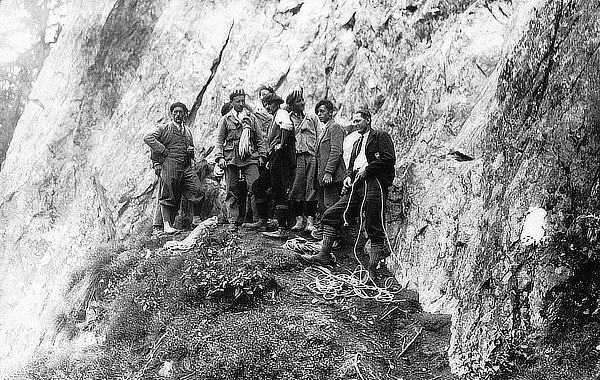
492	106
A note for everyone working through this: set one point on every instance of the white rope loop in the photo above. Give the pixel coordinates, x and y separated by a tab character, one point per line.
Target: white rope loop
356	284
331	286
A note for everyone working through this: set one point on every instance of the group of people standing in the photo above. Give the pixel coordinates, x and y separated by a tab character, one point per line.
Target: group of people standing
300	162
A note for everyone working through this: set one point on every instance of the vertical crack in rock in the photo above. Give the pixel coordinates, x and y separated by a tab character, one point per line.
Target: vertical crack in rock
281	79
539	89
213	72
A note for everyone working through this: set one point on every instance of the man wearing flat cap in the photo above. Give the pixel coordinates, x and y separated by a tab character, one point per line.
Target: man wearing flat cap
240	150
280	143
172	151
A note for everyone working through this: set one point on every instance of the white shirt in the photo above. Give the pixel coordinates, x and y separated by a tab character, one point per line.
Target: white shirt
347	146
361	159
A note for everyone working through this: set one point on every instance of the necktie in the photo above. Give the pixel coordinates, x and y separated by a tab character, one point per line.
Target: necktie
358	146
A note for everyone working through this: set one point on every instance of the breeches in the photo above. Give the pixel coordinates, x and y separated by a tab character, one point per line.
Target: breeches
280	163
329	195
177	180
232	176
303	186
261	186
369	195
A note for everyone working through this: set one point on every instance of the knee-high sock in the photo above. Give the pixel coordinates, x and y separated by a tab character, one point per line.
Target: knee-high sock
311	208
329	234
298	208
282	216
168	214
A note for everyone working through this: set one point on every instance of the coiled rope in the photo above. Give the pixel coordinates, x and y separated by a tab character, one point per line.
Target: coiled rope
358	282
354	284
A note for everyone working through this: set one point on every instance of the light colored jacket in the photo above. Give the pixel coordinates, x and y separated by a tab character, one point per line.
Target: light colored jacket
229	131
306	130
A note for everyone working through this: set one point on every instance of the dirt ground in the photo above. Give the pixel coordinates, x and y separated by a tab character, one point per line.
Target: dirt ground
237	306
303	335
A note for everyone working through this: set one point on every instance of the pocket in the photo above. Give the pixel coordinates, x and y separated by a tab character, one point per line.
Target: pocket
229	145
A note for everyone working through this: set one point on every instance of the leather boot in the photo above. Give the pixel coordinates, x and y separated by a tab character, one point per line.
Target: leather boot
280	233
260	224
378	252
310	224
321	258
299	224
324	257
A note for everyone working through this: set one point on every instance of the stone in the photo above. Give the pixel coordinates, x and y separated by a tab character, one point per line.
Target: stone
487	80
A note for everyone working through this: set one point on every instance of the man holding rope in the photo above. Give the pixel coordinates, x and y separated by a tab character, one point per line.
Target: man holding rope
369	175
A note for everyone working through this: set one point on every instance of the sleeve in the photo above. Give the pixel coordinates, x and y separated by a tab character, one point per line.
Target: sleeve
387	156
261	146
151	138
335	154
349	171
221	135
191	136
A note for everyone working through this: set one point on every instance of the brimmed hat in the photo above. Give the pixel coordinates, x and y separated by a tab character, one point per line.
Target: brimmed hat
272	98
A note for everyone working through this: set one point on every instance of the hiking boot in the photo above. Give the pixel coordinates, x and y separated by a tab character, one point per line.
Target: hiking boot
278	234
318	259
272	224
299	226
196	220
378	253
260	224
317	234
310	225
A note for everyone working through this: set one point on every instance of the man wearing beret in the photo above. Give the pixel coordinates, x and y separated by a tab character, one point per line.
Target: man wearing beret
369	175
172	151
280	143
260	202
240	150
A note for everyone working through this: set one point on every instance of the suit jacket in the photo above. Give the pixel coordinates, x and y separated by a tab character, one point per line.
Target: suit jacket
160	138
329	154
381	157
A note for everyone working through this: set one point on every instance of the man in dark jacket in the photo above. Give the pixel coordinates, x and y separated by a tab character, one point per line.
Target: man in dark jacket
172	149
330	165
369	175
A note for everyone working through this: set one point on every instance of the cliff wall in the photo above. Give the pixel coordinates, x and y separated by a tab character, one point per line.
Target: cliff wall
492	107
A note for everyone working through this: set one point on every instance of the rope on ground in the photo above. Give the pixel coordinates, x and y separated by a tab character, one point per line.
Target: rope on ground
191	241
355	284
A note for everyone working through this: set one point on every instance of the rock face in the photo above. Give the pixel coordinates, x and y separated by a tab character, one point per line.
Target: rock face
493	107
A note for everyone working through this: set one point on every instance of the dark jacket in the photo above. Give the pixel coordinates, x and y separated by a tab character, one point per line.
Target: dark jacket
381	157
329	154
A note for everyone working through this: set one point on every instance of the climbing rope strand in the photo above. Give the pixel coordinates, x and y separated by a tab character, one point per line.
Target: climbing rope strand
331	286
